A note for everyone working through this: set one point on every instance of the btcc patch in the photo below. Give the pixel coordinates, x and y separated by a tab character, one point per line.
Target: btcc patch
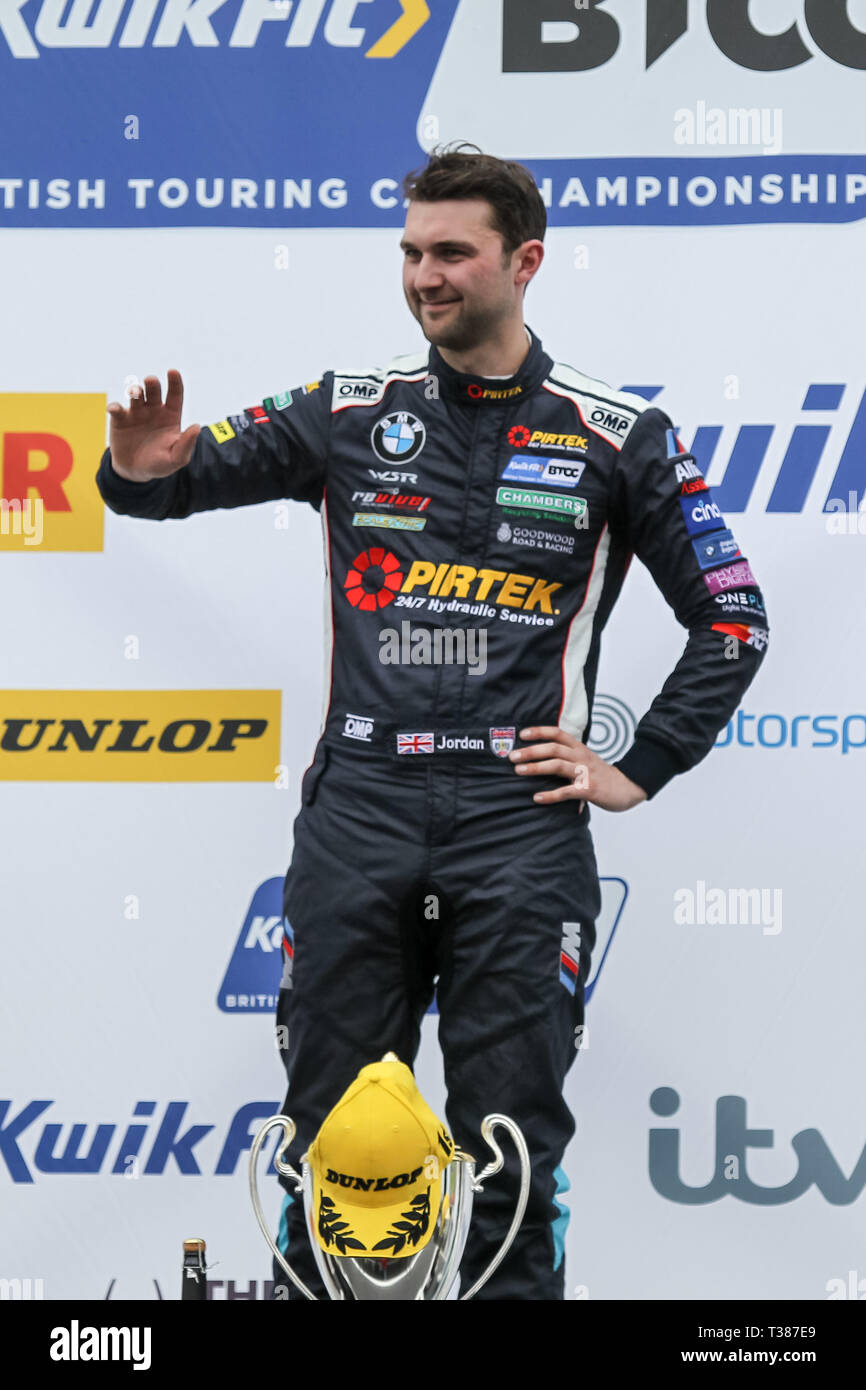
553	472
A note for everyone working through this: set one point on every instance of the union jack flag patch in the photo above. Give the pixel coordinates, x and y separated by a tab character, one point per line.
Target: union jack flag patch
415	743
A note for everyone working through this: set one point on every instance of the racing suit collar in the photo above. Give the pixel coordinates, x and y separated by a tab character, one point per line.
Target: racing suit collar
478	390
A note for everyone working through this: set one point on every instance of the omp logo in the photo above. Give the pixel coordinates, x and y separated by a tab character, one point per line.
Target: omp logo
48	448
188	22
578	35
788	454
608	420
139	735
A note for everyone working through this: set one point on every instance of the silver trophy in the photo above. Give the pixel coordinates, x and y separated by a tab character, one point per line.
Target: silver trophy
432	1272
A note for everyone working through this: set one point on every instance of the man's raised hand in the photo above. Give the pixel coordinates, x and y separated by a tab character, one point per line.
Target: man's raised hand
146	440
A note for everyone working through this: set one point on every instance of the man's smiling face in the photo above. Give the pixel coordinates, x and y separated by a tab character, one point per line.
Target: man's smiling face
457	283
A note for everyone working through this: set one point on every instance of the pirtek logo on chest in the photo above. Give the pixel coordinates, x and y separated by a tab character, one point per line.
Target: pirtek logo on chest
372	1184
488	393
446	579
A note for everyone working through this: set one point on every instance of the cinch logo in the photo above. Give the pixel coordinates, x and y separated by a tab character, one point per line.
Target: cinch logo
751	454
549	36
139	735
815	1162
187	27
48	445
251	983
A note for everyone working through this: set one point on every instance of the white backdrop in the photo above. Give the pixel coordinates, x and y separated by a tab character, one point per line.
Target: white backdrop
122	902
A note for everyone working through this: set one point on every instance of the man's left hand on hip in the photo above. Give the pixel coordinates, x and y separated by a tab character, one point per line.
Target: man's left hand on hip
588	777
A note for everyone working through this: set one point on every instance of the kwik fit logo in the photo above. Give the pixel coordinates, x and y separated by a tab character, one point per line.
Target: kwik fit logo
252	980
790	456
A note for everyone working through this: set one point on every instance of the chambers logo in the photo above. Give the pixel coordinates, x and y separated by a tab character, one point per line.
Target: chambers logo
139	735
48	444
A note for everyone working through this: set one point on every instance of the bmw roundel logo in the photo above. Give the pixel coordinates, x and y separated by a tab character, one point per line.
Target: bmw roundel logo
398	436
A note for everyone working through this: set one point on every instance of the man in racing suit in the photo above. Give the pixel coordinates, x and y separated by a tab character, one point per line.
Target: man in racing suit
480	505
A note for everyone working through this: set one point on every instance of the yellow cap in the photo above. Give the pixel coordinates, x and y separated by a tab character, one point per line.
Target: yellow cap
377	1165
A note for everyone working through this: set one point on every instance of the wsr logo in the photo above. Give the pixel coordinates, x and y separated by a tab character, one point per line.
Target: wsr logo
816	1163
578	35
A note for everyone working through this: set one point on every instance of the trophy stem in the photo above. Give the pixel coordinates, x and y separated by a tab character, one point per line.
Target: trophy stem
282	1166
487	1127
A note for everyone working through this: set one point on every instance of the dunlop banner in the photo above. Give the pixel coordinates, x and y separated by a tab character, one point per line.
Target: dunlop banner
139	735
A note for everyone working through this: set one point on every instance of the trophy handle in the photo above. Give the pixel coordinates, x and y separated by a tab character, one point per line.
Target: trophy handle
285	1168
488	1125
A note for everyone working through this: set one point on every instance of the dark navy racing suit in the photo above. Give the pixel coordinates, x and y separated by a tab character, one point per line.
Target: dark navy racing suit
477	534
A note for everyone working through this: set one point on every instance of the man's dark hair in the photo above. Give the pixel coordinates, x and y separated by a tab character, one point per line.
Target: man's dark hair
518	212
